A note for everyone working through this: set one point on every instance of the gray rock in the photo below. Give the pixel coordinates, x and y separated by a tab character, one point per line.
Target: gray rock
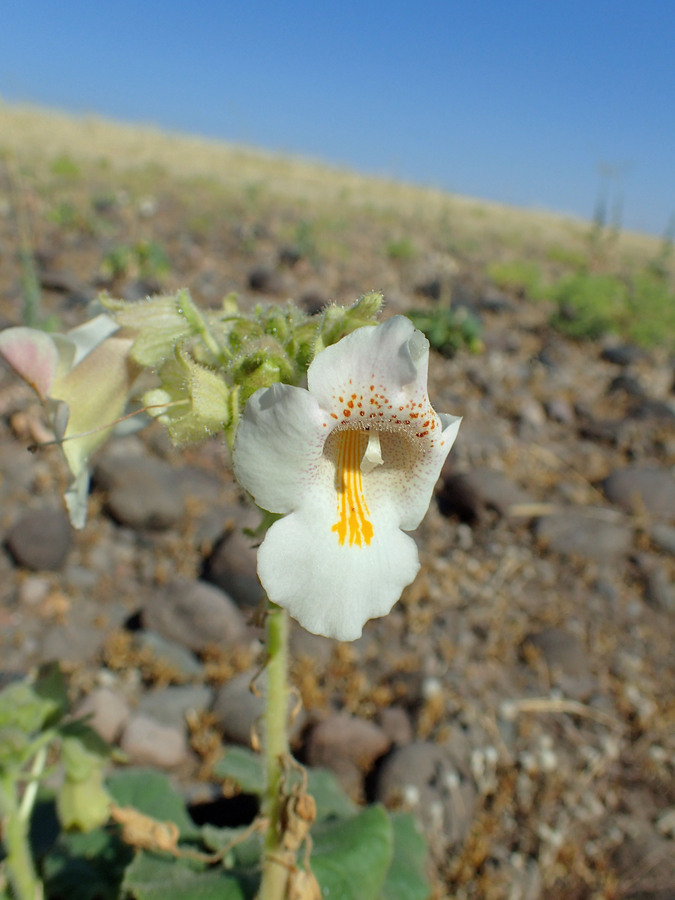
559	410
493	300
176	656
641	488
33	590
645	861
40	539
431	782
623	354
239	710
659	590
470	495
602	431
648	409
232	566
194	614
663	536
265	279
107	712
314	299
626	384
429	284
395	723
315	647
141	492
139	288
66	282
150	743
194	483
76	641
171	705
343	736
584	532
531	414
565	658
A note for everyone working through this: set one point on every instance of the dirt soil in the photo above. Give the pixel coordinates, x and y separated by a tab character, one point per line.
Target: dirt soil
536	646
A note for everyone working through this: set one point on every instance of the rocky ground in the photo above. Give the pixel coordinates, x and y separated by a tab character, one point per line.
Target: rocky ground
519	697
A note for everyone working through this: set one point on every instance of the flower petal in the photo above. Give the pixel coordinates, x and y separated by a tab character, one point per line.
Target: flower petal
96	392
373	374
410	471
88	336
33	356
279	445
332	589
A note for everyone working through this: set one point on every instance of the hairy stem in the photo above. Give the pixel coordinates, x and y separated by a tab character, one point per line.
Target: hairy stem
275	867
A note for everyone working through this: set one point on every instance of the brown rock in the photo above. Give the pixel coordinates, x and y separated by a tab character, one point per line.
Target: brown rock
347	745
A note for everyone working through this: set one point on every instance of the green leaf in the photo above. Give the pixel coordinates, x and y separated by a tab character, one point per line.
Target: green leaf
152	877
350	858
31	707
83	750
331	800
86	866
245	852
244	768
407	876
151	793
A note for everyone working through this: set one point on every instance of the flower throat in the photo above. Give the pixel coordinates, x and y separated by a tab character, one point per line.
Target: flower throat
353	526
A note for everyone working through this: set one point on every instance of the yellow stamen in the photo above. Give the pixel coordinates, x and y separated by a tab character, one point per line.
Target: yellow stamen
353	524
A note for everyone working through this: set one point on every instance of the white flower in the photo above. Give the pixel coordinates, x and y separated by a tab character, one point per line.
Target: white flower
83	378
349	462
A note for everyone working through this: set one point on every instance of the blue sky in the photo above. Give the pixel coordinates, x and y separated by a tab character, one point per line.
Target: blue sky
520	102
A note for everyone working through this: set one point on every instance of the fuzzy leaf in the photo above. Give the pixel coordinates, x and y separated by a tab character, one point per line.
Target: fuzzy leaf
244	768
329	796
407	875
86	866
31	707
351	857
151	793
152	877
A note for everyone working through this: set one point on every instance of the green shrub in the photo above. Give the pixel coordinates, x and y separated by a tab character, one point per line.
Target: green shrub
402	249
65	167
576	259
589	305
519	277
449	330
651	311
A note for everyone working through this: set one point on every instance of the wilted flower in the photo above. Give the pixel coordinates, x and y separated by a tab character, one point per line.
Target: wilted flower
351	464
83	378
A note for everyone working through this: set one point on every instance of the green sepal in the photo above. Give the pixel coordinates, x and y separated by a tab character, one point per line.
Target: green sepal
338	321
193	401
158	324
85	804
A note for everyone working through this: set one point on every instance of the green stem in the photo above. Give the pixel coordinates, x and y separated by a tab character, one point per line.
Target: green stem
30	792
275	868
22	874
